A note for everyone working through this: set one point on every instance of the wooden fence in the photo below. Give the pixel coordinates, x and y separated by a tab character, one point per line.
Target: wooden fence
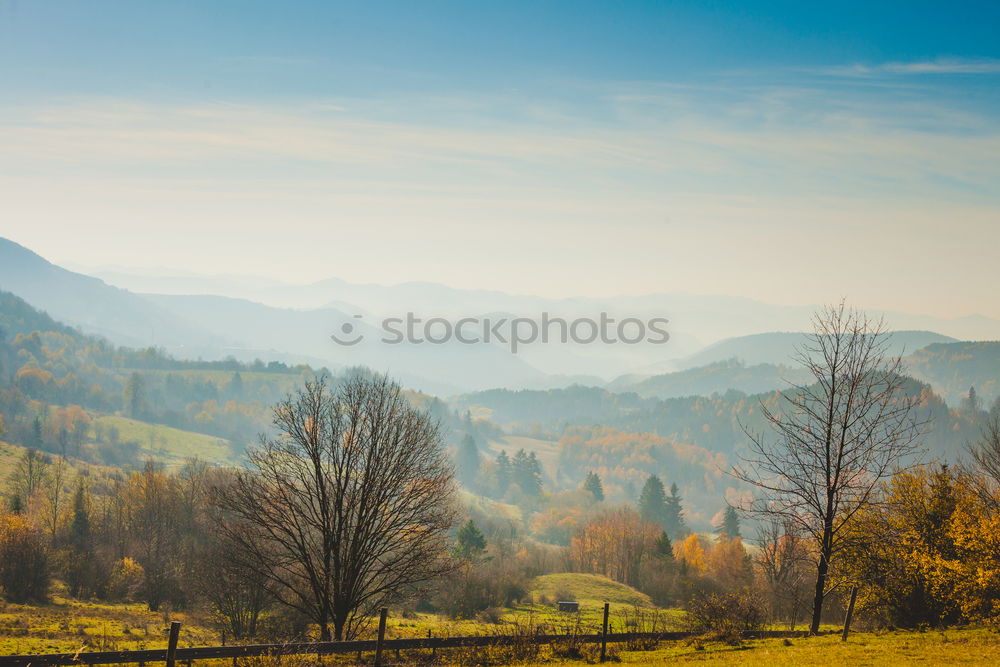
174	654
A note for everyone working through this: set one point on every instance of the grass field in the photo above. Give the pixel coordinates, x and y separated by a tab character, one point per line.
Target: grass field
67	626
950	647
169	445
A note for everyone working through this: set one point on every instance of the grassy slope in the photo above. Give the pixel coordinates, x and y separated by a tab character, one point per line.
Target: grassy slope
547	451
70	625
538	609
170	445
489	506
11	454
587	589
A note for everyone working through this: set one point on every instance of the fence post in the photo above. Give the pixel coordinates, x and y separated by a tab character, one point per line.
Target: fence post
175	631
604	632
381	637
850	613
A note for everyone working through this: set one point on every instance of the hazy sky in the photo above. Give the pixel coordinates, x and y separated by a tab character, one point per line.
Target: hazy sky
791	152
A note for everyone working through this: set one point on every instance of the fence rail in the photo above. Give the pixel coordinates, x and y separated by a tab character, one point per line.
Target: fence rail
184	655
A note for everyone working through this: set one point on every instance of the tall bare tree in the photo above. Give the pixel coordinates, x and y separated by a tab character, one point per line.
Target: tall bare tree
834	439
348	506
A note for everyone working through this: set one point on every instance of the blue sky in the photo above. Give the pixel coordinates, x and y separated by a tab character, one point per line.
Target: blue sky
553	148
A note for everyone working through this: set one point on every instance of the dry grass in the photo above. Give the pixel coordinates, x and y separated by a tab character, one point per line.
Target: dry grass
70	625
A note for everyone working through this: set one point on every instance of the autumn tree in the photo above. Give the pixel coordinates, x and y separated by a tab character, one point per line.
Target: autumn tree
833	440
906	554
727	562
690	554
615	543
783	563
348	506
24	568
151	502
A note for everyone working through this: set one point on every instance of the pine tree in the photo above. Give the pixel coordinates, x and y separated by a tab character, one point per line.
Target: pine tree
971	404
134	396
236	385
527	473
468	461
673	520
730	526
79	569
470	543
593	484
663	548
79	529
36	433
503	472
652	501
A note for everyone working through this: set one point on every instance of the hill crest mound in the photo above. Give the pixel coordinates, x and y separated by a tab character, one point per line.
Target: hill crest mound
586	588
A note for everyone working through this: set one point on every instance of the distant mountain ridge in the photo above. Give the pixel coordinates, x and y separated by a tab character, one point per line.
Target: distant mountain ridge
92	304
214	326
779	347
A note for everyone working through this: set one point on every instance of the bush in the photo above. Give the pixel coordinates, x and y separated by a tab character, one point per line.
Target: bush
492	615
24	567
476	588
726	616
127	578
564	595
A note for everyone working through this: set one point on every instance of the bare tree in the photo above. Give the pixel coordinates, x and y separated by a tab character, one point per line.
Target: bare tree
151	501
236	593
348	506
55	494
985	454
833	439
29	476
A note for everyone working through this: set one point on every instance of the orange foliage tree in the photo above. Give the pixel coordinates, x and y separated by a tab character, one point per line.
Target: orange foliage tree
614	543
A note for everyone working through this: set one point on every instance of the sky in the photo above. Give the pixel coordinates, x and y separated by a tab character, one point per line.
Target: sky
790	152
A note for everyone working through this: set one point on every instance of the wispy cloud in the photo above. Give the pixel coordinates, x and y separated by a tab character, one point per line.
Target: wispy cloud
791	140
531	177
924	67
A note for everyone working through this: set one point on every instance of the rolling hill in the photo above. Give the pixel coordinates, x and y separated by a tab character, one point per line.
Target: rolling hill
779	347
93	305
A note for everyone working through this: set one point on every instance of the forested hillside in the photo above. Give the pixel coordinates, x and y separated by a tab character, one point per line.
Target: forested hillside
715	423
955	368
